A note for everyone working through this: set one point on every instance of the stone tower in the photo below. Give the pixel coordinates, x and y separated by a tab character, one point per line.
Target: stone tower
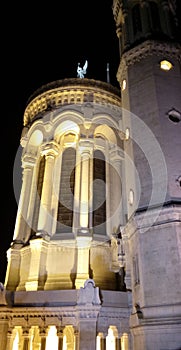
65	282
150	81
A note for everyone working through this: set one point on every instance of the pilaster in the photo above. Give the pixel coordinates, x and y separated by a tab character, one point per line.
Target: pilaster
83	240
45	221
37	268
21	226
13	267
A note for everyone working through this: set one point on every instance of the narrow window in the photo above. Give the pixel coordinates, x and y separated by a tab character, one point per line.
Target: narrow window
136	270
66	193
99	193
137	27
154	17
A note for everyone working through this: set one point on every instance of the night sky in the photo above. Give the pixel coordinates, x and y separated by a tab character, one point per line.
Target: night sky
40	43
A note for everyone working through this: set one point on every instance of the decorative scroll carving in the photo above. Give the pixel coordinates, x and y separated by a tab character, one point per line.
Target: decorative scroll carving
89	294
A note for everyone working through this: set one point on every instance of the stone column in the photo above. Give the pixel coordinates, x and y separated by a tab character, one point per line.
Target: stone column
83	247
43	332
10	339
60	338
76	214
84	236
50	151
28	163
84	196
119	35
118	344
26	338
88	307
13	267
124	342
37	267
88	332
102	341
76	334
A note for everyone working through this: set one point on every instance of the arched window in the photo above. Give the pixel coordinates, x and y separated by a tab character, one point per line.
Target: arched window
66	193
154	17
39	184
99	193
136	18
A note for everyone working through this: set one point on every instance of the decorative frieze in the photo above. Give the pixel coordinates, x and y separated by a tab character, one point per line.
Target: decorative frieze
148	48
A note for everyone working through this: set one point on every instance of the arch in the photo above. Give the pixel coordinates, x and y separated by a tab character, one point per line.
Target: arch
16	338
66	127
16	341
33	137
69	338
52	339
36	138
105	132
111	337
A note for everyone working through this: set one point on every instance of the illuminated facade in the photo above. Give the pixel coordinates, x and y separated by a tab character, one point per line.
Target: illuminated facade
66	263
95	259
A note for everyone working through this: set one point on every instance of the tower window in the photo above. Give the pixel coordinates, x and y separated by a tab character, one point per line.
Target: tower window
99	193
154	17
66	193
136	270
137	26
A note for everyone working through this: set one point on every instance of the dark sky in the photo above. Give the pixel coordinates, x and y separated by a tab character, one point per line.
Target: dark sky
40	43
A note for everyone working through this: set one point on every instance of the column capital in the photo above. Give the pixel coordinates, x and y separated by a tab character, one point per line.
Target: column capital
26	331
60	331
28	160
50	148
43	331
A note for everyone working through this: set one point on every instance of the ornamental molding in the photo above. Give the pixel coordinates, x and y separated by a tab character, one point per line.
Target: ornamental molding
44	318
148	48
69	92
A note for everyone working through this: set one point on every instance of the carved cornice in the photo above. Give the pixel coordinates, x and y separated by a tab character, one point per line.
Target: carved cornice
59	316
69	92
148	48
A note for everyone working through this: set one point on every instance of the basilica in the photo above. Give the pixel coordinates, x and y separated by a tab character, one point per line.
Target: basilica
95	258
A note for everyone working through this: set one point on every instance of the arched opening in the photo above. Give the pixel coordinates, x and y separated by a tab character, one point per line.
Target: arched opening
52	339
136	18
154	18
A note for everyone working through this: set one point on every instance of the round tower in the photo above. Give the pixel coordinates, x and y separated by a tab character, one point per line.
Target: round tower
66	261
70	208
